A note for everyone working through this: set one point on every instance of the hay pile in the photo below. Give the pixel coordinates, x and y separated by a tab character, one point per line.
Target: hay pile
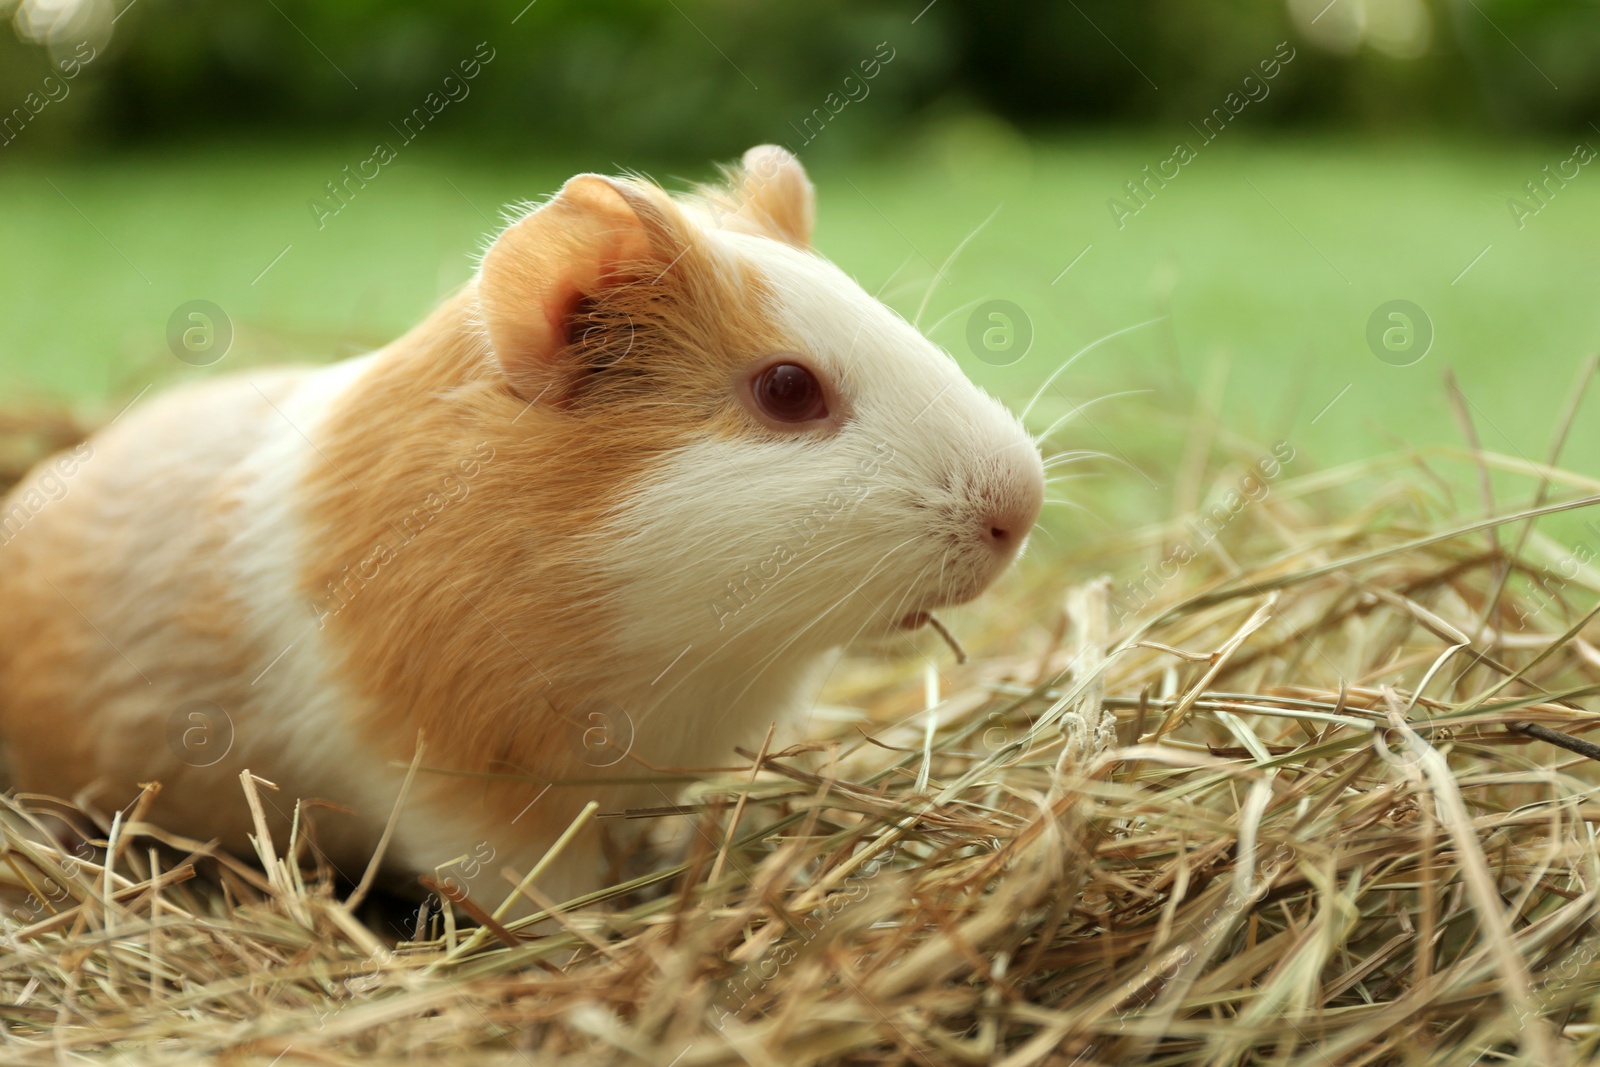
1312	810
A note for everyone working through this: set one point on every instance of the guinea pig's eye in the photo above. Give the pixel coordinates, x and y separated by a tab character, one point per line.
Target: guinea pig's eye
788	392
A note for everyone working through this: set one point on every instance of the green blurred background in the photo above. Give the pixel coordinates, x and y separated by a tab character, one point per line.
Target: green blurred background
1342	155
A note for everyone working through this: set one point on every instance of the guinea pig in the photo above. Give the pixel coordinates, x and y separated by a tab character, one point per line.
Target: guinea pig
609	512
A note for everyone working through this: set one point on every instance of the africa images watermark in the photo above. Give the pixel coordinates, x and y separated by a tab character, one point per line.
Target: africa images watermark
49	486
342	190
1547	583
1218	922
743	589
1143	189
1542	190
855	90
1139	593
1546	995
41	903
454	488
52	90
756	975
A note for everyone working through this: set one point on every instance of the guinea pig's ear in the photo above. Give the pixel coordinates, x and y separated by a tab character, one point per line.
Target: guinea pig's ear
775	194
594	235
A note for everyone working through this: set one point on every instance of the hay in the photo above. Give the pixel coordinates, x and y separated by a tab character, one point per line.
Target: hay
1288	812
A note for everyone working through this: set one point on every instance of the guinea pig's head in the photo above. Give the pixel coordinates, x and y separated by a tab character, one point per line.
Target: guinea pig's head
764	456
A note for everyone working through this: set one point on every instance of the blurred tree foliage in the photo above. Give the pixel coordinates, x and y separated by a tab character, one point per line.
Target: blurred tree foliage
695	78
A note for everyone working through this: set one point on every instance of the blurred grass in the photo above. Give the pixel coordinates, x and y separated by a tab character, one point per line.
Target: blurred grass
1266	260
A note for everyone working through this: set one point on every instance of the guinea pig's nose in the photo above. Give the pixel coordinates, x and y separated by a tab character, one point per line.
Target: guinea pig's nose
1013	510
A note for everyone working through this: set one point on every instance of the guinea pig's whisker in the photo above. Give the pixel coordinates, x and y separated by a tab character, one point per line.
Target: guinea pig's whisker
1121	461
911	587
903	263
908	284
949	262
1063	478
819	616
1075	506
944	562
1077	455
1080	409
969	305
776	604
1027	444
854	591
1074	357
755	670
900	605
877	615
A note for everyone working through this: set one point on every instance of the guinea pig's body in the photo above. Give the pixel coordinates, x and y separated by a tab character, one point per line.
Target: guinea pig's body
604	515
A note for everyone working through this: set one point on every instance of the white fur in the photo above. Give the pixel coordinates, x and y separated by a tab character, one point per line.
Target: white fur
847	533
306	712
301	724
